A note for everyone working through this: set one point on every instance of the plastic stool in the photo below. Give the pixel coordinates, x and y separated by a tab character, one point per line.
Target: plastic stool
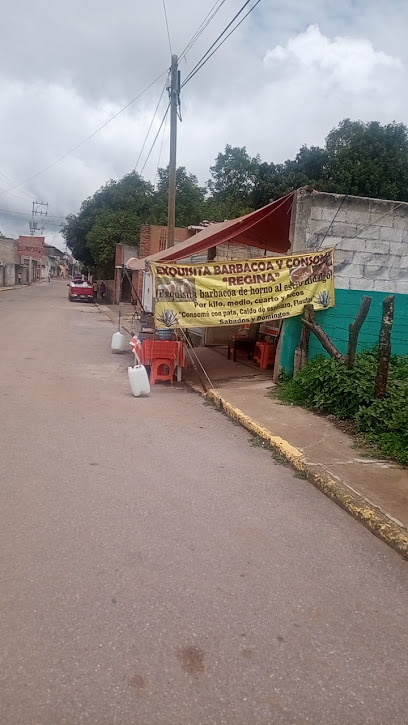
156	372
265	354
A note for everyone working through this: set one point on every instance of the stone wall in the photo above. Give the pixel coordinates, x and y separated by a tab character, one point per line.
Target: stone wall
370	238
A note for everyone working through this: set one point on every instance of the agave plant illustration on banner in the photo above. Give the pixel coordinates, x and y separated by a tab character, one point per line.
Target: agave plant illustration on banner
168	318
323	298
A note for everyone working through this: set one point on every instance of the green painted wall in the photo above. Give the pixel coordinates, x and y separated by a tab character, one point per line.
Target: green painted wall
336	320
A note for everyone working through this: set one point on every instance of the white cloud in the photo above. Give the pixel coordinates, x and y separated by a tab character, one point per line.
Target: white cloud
280	81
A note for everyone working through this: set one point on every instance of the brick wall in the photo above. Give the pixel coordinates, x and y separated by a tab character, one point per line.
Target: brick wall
153	238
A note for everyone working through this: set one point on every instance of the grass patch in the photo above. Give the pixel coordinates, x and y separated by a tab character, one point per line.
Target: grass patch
328	386
258	442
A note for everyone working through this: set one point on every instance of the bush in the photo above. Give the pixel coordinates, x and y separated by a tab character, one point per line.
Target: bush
327	385
385	422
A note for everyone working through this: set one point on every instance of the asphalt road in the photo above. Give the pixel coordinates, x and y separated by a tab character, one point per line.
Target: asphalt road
157	569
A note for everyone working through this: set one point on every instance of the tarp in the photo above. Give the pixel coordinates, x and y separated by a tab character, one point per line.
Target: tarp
241	291
266	228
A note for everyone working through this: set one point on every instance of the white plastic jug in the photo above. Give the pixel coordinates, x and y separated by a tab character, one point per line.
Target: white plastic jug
139	382
118	342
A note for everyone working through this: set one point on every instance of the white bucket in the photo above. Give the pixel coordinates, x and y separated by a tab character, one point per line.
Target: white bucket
139	381
118	343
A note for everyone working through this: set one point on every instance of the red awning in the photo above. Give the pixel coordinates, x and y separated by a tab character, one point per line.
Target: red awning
266	228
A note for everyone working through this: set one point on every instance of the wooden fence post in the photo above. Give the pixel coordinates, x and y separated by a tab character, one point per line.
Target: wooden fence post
302	350
354	330
384	352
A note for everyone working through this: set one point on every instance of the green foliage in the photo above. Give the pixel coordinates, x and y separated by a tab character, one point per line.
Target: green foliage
190	198
110	228
119	208
327	385
385	422
365	159
232	180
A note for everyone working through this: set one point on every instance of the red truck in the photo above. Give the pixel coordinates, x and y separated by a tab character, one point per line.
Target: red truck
80	290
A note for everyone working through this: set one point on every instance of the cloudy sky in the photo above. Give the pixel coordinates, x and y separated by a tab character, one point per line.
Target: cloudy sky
289	74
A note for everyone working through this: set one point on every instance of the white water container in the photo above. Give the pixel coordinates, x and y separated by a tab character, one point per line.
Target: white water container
139	381
118	343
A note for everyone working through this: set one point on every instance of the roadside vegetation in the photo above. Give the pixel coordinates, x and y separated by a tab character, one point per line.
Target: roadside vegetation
328	386
363	159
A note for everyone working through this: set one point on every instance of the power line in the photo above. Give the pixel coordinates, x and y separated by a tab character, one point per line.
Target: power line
150	127
167	26
6	191
9	181
160	152
27	214
206	57
64	156
210	15
155	139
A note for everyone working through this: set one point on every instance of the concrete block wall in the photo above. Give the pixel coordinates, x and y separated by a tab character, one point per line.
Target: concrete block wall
370	238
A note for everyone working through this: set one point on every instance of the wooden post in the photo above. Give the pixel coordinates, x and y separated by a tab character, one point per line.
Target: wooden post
384	352
354	330
324	339
302	350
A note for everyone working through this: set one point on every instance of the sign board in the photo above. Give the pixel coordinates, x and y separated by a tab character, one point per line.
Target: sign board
31	247
241	291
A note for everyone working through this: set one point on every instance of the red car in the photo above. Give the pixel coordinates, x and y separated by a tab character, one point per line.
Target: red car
80	290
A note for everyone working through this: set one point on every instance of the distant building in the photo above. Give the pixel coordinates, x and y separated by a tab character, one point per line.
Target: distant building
11	269
153	238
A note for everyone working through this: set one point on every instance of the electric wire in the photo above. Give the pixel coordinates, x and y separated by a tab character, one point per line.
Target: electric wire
150	127
160	152
205	58
210	15
112	118
155	139
207	55
167	26
9	181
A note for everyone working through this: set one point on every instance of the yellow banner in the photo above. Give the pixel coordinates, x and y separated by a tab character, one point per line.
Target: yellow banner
241	291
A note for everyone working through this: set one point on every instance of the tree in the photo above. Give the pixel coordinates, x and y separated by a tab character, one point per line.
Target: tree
110	228
113	214
190	198
368	159
233	178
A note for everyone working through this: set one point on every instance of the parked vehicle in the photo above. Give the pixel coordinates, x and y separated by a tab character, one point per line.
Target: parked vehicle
80	290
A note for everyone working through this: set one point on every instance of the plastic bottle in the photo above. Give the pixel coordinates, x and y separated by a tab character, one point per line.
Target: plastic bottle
139	381
118	342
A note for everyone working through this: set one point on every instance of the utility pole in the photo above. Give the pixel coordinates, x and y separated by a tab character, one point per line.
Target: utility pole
37	210
174	93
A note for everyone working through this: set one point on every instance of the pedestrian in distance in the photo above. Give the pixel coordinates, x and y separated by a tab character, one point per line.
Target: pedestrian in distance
95	290
102	290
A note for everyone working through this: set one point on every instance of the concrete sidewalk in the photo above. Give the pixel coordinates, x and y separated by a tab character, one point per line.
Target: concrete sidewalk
112	312
373	491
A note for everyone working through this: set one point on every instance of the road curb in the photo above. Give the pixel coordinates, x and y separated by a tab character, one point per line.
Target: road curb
373	518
